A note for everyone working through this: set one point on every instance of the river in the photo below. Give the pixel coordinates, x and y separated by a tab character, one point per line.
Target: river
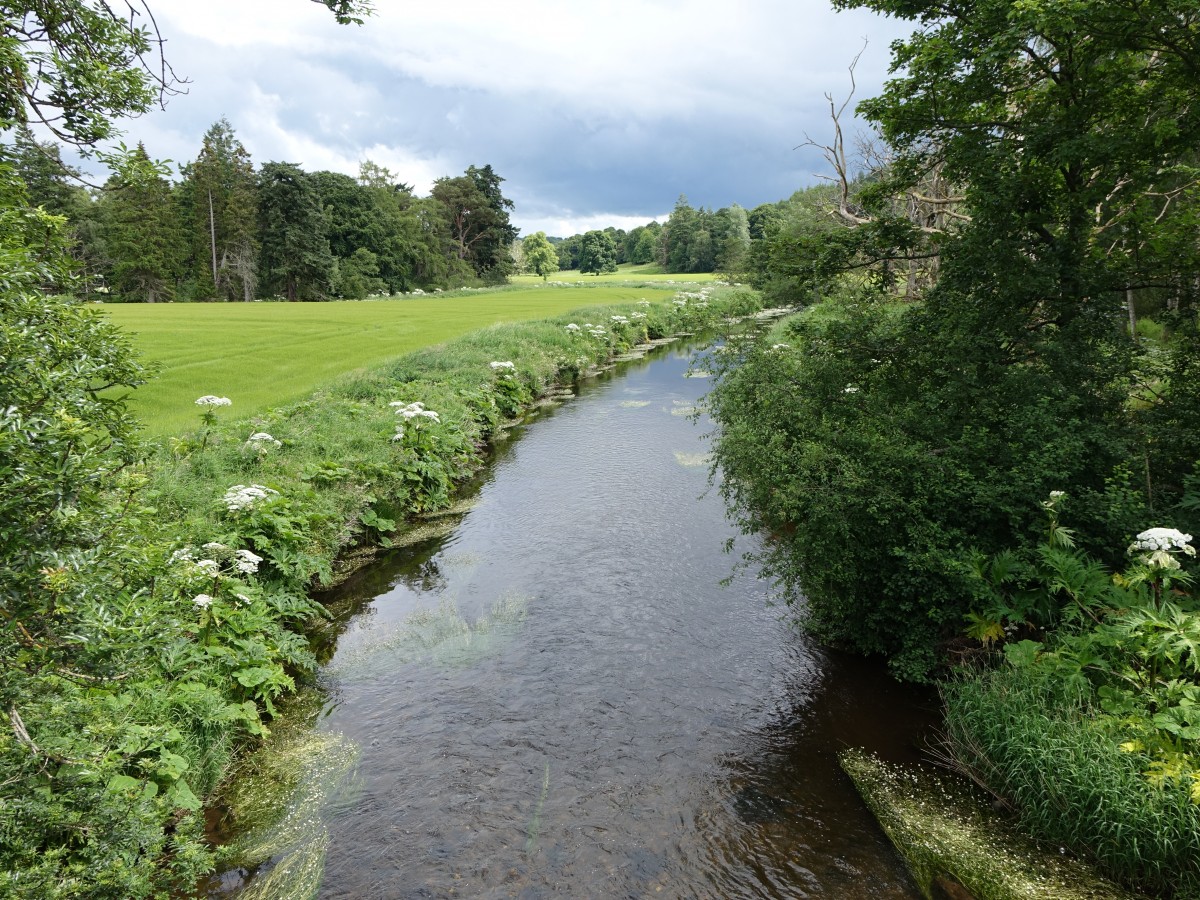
560	696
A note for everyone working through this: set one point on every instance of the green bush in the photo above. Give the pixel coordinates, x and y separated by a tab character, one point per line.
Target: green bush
880	460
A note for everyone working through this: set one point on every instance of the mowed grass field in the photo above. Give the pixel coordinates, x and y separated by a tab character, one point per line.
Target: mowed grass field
262	355
626	272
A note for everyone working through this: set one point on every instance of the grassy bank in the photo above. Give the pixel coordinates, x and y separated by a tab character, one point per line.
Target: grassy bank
269	354
179	627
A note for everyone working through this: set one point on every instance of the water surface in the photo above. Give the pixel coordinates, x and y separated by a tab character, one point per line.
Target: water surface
561	698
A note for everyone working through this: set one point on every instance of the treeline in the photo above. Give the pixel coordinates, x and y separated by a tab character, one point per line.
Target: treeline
228	230
692	240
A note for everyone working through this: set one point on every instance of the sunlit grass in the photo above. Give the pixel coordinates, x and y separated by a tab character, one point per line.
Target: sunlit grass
263	355
626	272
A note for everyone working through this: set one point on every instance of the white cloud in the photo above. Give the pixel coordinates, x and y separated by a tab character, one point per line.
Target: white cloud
616	105
565	223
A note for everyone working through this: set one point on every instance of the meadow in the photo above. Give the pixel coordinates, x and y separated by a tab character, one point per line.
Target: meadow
644	272
262	355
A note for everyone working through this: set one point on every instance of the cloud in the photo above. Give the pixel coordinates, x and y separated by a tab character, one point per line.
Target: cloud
607	109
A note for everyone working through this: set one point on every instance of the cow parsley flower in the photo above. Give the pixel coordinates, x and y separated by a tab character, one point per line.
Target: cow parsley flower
504	368
573	328
414	410
247	562
243	496
209	567
260	441
203	601
212	400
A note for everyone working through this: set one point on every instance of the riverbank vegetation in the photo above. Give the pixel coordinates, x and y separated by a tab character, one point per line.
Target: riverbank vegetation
973	448
156	596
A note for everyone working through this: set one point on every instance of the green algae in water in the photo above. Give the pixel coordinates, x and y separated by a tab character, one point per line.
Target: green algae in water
439	636
275	801
535	824
942	830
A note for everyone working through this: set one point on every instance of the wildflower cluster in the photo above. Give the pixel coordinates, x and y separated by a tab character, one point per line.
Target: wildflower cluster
212	400
261	442
505	369
411	412
244	496
1158	547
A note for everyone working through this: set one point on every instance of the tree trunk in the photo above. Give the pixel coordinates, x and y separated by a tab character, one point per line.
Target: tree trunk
212	232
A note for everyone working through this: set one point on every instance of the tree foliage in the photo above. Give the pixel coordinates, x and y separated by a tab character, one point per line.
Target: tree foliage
890	439
540	257
597	253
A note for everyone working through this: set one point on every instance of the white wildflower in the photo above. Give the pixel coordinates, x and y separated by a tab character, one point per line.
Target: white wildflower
245	600
183	555
211	400
209	567
637	315
643	302
242	496
849	389
572	328
215	546
506	367
414	410
619	320
260	441
248	562
781	346
203	601
1057	495
1166	539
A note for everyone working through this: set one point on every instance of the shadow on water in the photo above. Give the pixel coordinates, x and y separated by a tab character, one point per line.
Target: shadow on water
558	696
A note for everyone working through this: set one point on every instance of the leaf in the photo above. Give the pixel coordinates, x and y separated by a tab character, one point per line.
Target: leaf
119	783
181	797
253	676
1022	654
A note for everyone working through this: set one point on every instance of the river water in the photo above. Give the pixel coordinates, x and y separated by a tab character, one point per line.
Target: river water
560	696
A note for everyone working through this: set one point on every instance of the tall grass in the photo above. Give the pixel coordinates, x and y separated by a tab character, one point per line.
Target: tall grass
1033	742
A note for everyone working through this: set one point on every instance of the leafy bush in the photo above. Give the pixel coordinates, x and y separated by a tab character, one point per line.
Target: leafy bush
879	462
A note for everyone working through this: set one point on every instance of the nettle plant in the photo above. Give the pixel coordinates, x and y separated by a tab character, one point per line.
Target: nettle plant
1129	640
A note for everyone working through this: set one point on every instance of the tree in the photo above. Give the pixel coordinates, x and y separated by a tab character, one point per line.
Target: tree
294	233
540	256
77	66
223	215
140	231
477	218
597	253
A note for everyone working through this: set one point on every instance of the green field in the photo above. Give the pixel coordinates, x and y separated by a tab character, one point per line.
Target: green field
262	355
626	272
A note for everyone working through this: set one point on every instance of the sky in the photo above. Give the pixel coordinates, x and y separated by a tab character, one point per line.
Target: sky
595	114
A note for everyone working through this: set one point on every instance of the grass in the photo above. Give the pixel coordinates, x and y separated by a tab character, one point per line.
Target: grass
625	272
263	355
1040	746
